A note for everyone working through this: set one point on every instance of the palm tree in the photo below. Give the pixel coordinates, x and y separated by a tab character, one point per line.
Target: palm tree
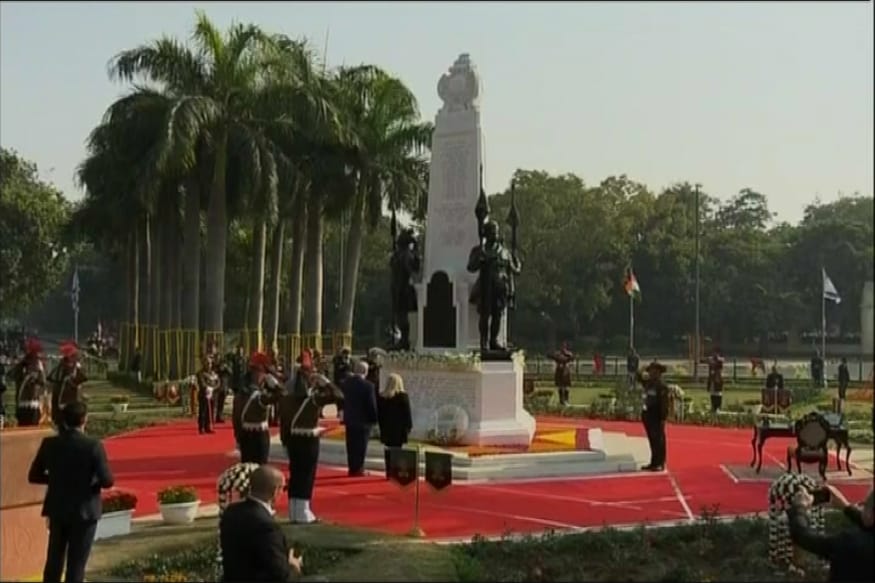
212	86
121	181
313	146
388	166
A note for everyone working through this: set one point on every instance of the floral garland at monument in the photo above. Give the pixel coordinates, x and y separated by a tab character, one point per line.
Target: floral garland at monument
448	361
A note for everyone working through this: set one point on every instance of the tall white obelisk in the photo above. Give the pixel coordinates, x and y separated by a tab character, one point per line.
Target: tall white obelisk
446	320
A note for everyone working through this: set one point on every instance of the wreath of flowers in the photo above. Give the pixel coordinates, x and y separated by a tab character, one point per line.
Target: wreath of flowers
449	426
451	361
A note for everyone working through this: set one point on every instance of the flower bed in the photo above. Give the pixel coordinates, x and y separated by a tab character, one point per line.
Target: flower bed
178	504
117	511
709	550
116	500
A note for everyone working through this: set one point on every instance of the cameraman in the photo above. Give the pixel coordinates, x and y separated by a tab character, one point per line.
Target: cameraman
851	552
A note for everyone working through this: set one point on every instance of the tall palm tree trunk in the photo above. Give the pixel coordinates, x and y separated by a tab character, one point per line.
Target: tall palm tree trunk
134	321
151	353
124	341
312	316
217	241
191	280
256	306
296	272
168	272
351	264
146	289
273	291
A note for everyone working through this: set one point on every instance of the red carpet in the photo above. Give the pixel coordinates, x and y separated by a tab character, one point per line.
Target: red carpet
148	460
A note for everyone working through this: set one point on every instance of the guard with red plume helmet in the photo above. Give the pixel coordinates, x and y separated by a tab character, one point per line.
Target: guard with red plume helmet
207	383
65	380
30	380
263	392
300	409
32	348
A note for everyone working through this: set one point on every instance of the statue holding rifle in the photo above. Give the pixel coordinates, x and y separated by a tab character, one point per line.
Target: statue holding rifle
496	266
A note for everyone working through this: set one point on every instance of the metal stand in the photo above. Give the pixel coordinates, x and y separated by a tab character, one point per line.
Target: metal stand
416	531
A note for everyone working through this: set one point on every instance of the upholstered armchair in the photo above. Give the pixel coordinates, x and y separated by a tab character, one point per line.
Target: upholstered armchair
812	436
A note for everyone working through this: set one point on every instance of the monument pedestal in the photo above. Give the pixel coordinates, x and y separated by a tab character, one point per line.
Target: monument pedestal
23	534
491	396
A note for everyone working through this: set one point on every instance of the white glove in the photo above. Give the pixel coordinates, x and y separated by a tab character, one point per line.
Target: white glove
319	379
271	381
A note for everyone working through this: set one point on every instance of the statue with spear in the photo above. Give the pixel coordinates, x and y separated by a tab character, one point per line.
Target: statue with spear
404	265
496	267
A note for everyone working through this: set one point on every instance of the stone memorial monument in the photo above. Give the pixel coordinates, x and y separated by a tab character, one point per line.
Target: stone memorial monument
467	271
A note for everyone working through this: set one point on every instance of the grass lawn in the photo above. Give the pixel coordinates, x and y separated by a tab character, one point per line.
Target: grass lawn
586	393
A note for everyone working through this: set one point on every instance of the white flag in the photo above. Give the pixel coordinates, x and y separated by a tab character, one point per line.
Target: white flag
74	291
829	290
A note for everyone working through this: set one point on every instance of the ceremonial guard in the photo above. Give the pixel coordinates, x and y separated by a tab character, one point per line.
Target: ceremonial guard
30	378
306	394
65	380
654	414
715	379
223	369
207	383
562	376
263	391
238	383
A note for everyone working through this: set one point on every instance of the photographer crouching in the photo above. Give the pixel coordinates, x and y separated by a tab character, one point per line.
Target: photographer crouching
850	552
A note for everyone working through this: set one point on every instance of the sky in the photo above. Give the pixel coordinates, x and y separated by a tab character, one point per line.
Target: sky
777	97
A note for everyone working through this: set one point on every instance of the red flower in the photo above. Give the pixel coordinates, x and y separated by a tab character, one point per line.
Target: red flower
117	500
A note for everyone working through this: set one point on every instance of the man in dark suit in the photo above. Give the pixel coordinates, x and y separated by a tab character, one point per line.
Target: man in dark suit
359	416
254	547
850	551
74	468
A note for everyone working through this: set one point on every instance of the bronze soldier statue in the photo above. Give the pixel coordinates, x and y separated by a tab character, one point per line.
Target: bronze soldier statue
496	267
405	264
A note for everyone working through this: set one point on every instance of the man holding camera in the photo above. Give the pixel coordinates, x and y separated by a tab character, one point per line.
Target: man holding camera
850	552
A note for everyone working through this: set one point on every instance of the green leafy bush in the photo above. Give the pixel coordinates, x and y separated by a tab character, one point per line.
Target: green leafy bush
199	564
707	550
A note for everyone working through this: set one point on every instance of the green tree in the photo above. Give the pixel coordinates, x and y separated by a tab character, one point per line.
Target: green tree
33	259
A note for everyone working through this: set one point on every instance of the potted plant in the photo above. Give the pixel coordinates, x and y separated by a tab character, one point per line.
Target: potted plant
117	510
178	504
119	403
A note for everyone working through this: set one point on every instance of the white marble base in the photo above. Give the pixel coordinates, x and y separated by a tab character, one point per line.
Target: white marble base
621	457
492	397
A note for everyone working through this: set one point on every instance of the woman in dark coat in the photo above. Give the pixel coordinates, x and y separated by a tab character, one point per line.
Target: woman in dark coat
393	414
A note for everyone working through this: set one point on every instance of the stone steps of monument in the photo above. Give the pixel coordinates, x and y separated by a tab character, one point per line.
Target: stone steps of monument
620	444
494	467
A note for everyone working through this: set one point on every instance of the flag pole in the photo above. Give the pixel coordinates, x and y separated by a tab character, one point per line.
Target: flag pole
631	321
75	294
416	531
823	321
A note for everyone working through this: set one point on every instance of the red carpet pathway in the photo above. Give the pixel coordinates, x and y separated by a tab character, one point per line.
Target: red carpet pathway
150	459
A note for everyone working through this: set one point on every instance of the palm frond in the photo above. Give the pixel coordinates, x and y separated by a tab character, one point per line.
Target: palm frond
165	61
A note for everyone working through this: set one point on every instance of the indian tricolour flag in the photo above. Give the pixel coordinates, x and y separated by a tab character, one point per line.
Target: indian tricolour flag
631	284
